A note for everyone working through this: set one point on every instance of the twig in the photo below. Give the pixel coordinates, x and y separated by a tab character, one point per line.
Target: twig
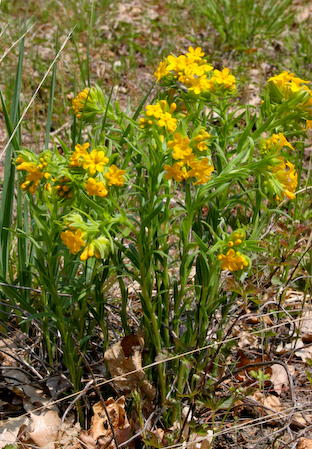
81	393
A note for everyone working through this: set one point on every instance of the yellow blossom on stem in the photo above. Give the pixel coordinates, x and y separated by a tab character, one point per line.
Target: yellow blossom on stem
195	55
162	71
93	187
73	241
87	252
279	141
79	102
95	161
80	152
176	172
233	261
180	147
115	176
201	170
225	78
96	188
166	120
200	84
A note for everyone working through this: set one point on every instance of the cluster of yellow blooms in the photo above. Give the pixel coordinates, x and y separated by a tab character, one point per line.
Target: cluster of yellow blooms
79	102
276	143
93	163
183	152
193	72
285	174
35	173
234	260
160	114
89	103
98	248
282	178
288	85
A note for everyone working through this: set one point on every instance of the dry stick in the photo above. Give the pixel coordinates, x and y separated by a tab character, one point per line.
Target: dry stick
151	365
307	429
98	391
16	42
36	92
81	393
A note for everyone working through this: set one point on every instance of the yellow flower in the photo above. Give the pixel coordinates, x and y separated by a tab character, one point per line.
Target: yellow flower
180	147
225	78
79	102
161	71
33	177
200	84
154	110
201	170
195	55
95	161
309	124
115	176
233	261
73	241
166	120
87	252
286	179
80	152
96	188
279	141
176	172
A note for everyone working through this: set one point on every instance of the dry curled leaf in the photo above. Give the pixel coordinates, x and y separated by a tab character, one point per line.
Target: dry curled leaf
100	427
124	357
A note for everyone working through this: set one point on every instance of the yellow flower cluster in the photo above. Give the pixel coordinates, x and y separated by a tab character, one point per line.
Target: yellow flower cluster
277	141
192	71
160	114
35	173
236	240
233	261
95	187
75	239
94	161
89	103
288	85
286	175
72	240
183	152
79	102
63	187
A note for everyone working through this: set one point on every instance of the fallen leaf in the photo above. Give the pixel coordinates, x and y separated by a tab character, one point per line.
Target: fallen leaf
119	364
304	443
100	427
9	431
44	428
302	351
279	377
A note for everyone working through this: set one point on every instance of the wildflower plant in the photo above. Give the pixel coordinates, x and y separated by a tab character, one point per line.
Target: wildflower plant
155	199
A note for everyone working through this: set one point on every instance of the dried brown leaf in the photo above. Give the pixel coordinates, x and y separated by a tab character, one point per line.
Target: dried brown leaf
44	428
100	426
120	364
